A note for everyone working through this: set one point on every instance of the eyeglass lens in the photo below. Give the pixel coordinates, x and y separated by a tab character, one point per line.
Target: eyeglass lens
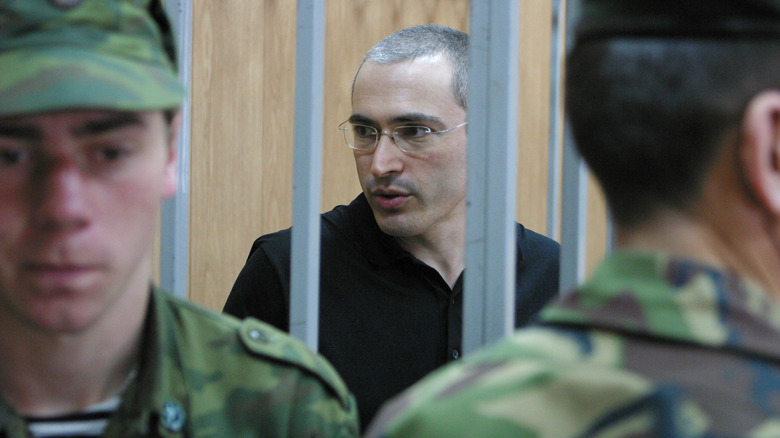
408	138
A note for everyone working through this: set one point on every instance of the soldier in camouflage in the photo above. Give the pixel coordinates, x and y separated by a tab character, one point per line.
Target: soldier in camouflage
89	102
675	106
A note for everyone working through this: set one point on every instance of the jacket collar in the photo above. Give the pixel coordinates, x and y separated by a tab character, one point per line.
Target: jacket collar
157	403
681	300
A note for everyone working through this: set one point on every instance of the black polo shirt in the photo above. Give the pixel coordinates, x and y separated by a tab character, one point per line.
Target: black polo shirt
386	318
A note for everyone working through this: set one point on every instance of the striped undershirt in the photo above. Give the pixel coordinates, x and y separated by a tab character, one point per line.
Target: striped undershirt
90	422
87	423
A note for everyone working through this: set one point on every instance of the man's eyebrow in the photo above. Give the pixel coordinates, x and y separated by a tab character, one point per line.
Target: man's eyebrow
361	120
21	132
416	117
107	124
402	118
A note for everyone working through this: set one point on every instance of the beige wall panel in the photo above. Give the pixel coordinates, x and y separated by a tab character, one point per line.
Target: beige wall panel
273	204
243	77
242	94
533	114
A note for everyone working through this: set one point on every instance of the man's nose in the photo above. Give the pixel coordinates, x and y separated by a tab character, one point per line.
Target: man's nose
387	157
60	195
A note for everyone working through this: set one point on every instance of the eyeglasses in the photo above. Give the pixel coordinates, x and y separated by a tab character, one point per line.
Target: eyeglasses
411	139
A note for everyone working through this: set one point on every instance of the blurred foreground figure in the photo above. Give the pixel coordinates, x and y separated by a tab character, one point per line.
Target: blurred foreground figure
88	123
675	106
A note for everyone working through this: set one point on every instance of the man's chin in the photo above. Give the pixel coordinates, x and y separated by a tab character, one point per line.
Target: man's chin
396	226
62	321
64	313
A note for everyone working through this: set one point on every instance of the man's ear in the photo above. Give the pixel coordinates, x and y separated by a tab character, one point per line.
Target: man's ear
171	165
760	149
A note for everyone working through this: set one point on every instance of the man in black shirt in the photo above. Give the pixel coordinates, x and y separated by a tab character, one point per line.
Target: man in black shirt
392	261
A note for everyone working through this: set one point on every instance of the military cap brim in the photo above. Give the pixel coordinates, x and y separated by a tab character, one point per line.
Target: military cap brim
57	78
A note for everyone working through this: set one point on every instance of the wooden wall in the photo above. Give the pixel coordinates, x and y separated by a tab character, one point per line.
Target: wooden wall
242	112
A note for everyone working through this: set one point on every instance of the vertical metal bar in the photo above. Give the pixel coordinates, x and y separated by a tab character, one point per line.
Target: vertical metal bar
305	262
574	215
488	308
174	218
574	209
555	119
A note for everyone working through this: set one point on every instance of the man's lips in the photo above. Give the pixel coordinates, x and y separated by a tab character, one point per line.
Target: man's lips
390	200
58	271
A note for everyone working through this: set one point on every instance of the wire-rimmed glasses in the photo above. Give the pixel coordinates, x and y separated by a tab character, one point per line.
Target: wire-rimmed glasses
412	139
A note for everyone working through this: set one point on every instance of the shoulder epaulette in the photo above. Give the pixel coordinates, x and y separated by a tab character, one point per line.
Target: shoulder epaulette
266	341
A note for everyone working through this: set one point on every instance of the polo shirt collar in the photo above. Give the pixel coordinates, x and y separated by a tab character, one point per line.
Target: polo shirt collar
380	248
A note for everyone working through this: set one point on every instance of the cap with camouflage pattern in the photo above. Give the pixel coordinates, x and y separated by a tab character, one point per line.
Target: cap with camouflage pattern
57	54
603	19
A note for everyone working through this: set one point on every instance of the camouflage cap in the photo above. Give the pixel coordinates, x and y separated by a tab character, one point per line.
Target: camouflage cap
600	19
57	54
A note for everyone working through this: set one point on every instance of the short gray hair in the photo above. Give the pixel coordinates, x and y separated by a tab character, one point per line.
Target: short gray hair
423	41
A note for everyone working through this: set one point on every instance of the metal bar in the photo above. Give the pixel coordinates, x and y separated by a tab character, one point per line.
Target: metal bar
488	308
574	213
174	218
305	261
574	209
555	120
611	237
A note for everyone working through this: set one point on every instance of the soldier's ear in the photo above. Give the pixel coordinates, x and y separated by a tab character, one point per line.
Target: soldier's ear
760	149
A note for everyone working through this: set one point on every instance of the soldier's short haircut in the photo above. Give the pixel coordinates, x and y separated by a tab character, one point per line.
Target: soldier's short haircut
426	41
649	115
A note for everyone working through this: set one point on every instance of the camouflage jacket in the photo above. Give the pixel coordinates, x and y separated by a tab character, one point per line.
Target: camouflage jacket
649	346
206	375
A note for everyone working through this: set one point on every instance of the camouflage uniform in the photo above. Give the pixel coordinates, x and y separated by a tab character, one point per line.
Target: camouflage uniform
205	375
649	346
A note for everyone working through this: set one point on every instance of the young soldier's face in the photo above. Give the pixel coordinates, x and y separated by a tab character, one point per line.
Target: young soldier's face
80	195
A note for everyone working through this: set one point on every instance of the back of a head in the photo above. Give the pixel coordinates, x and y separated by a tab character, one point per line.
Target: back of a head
65	54
654	88
427	41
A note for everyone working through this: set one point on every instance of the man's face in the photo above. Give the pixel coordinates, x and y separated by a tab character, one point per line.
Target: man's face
80	194
421	195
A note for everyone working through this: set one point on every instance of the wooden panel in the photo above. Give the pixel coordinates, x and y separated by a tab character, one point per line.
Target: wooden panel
242	99
533	114
242	114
